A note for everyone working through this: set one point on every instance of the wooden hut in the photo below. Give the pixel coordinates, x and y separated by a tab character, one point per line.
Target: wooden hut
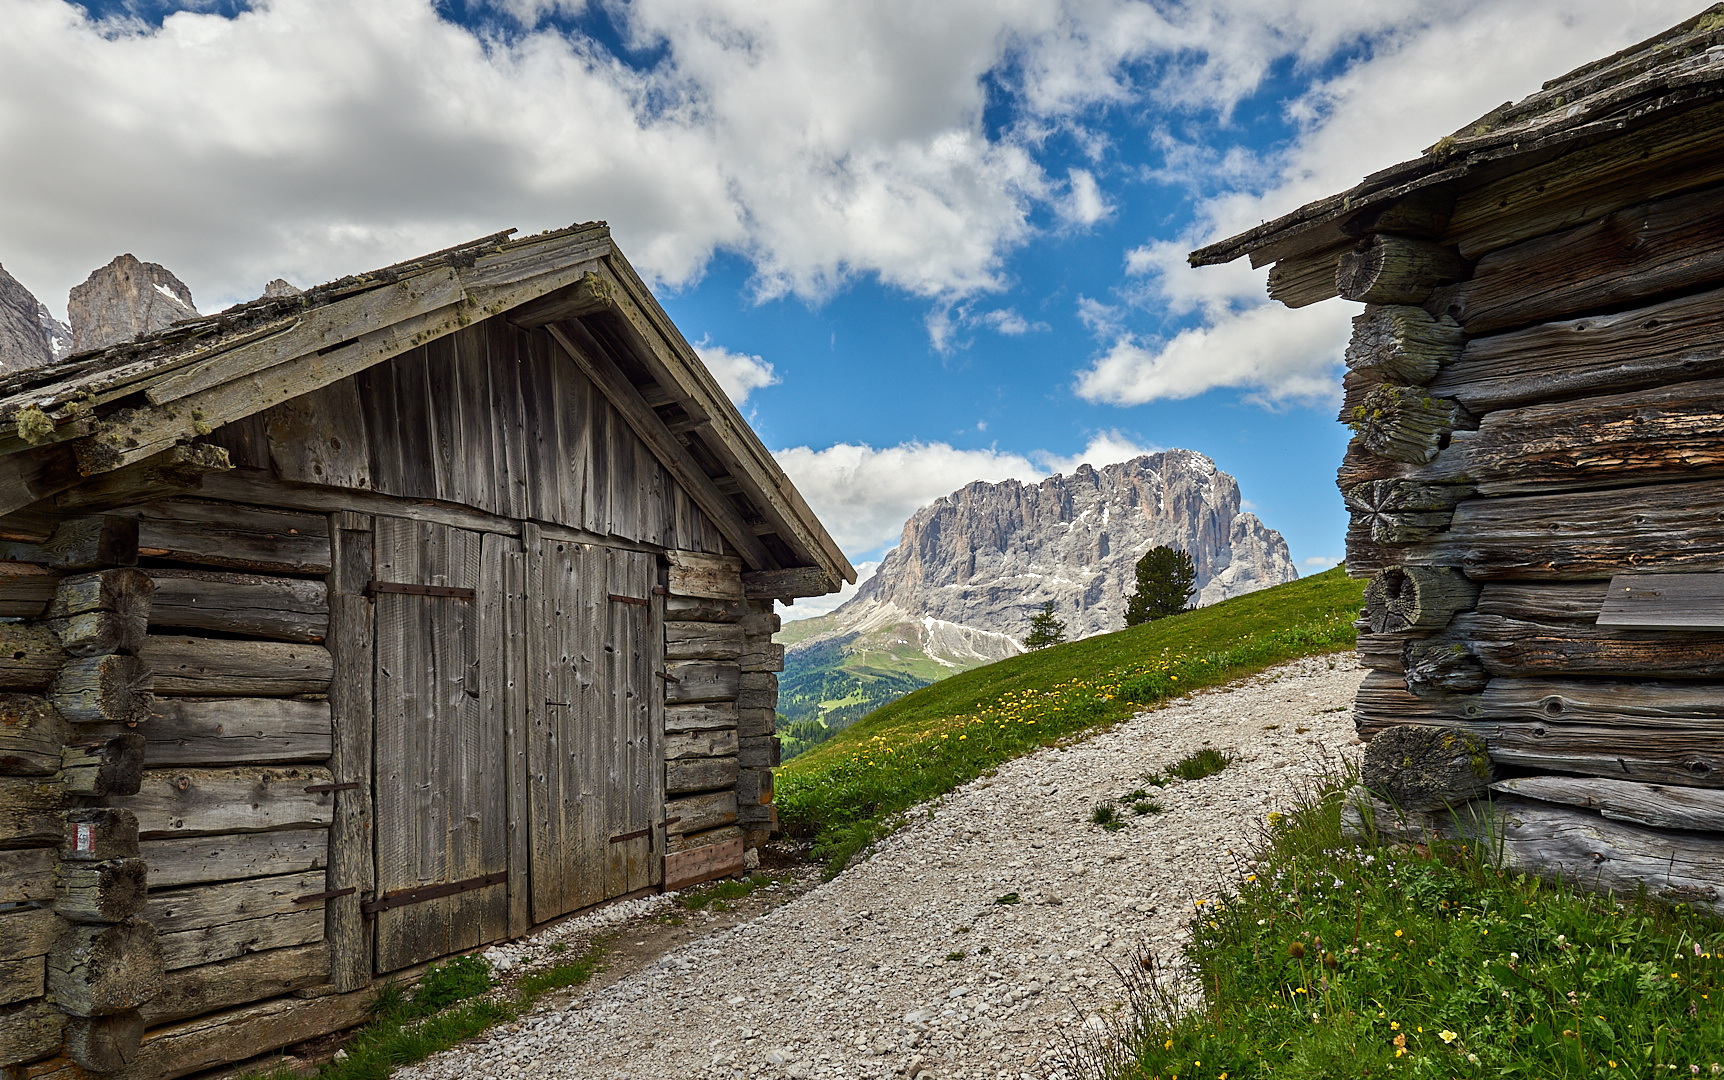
354	629
1536	482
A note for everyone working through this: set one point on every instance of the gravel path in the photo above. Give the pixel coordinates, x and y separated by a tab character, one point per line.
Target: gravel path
856	978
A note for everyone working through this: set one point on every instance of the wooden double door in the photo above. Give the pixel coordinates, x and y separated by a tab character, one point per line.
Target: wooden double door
517	742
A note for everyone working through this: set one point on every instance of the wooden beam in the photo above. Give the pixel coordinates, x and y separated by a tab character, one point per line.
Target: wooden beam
1656	435
1573	846
788	583
1396	270
1674	155
1305	279
1670	342
82	543
174	471
257	486
1400	343
1659	528
1661	806
350	707
590	357
590	294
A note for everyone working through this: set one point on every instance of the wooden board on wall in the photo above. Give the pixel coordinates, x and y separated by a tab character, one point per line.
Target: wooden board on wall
440	815
499	418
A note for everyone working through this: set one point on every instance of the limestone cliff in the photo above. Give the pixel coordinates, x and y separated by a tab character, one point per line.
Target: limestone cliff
25	328
124	300
989	555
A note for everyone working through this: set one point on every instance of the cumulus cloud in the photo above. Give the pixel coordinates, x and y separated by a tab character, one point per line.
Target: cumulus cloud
738	373
864	495
1083	204
1430	70
1277	356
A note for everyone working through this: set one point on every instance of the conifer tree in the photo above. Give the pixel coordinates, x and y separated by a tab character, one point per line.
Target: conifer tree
1166	578
1045	630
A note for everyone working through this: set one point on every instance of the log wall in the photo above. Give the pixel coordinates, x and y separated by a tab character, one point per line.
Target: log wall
1548	418
705	635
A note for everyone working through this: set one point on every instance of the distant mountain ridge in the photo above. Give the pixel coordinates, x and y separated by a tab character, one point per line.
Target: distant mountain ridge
972	567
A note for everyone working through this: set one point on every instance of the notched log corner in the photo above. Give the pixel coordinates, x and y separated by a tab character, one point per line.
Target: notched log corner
1401	512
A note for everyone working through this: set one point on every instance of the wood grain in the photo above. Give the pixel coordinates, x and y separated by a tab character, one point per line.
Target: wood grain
1634	254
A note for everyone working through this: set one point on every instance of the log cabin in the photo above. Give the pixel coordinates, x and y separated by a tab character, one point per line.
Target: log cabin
1535	386
350	630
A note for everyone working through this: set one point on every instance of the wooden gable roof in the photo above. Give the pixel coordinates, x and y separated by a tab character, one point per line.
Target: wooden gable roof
143	405
1554	158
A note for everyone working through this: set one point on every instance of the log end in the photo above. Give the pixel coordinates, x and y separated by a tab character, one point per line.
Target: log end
1420	767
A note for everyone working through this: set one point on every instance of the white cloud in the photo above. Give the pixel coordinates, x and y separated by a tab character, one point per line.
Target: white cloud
864	495
1084	204
1277	356
808	607
1320	562
738	373
946	321
1105	448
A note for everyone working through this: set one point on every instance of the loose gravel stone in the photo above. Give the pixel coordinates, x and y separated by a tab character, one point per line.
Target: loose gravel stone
859	977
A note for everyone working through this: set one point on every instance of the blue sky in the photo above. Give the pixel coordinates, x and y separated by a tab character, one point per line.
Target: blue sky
921	243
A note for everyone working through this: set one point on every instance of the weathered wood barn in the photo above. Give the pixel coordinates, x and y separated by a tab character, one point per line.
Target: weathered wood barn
1536	389
353	629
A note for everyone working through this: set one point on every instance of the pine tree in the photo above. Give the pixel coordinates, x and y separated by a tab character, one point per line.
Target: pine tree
1166	578
1045	630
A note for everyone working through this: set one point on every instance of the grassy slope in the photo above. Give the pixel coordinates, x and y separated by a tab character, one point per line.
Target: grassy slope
848	791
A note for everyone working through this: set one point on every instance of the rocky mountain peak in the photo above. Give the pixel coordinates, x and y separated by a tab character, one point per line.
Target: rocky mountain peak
26	328
124	300
988	556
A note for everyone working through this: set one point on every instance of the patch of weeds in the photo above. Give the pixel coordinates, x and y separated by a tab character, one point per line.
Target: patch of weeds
559	948
1271	727
535	984
1146	807
1135	796
1107	816
983	951
955	956
444	984
1206	762
718	894
1009	898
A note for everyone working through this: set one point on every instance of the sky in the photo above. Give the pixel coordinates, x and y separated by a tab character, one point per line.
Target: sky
919	243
